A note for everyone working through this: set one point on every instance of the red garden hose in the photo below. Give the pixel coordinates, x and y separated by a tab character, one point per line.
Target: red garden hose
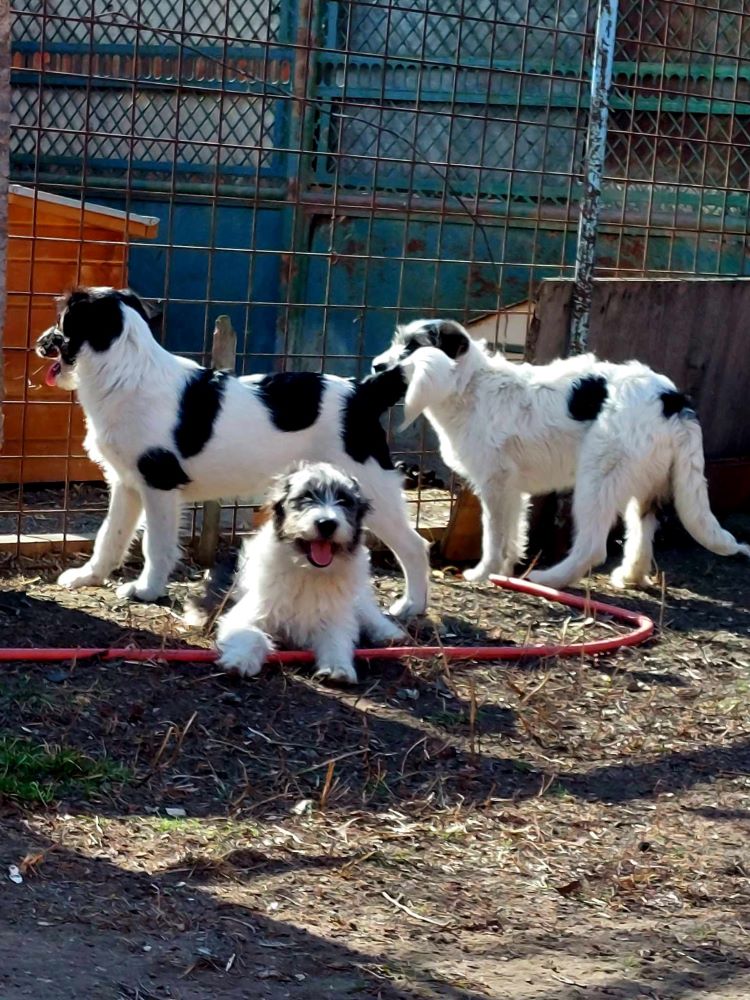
644	629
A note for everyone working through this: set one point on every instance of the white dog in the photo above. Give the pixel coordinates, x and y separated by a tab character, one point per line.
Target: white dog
167	431
304	579
620	435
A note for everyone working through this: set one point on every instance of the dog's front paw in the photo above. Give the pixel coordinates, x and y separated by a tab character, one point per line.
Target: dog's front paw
81	576
244	652
136	591
476	575
342	673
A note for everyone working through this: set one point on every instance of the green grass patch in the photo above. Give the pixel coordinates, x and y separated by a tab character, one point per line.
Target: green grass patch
38	773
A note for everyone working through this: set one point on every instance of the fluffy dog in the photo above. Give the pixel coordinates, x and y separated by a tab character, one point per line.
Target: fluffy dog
620	435
304	579
166	431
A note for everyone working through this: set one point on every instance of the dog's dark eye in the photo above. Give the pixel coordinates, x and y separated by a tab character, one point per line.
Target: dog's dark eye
345	501
302	501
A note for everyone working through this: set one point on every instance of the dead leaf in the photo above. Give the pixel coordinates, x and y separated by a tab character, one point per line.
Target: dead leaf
31	862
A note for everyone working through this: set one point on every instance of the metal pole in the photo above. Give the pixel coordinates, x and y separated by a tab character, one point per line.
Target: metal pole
596	143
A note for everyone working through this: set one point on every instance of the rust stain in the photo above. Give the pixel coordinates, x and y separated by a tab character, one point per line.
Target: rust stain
415	246
349	256
479	286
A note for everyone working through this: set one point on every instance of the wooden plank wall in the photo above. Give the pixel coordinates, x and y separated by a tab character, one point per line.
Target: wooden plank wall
695	331
4	172
52	246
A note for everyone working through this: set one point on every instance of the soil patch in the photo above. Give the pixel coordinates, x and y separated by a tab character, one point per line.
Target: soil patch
552	830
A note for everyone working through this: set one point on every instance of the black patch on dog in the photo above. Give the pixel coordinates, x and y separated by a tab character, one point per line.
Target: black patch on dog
449	337
92	318
587	397
161	469
673	402
382	390
199	407
293	399
362	431
444	334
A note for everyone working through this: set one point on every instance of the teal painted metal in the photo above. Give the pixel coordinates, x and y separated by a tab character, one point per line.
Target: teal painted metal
155	147
350	223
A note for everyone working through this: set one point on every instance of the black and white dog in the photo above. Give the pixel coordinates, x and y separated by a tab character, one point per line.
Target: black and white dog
166	431
304	579
620	435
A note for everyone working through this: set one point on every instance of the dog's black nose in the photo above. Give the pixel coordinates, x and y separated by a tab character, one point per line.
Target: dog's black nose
326	526
380	367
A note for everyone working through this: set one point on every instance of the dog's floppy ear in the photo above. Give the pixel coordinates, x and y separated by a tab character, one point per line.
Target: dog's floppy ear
151	310
75	298
129	298
429	372
276	498
450	337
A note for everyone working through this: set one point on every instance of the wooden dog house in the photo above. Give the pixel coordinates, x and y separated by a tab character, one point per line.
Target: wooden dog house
54	243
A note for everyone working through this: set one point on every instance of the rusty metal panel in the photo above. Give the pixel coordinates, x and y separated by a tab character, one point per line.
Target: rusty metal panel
693	331
323	169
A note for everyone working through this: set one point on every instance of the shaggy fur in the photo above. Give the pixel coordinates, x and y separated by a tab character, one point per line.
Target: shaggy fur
166	431
304	579
619	435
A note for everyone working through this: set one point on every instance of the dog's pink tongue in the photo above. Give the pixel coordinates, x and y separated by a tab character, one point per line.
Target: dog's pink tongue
321	553
52	372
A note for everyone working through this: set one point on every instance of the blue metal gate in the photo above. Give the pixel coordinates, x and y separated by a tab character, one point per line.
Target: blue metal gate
324	169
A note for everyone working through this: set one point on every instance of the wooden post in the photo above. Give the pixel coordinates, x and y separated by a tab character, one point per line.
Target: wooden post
223	359
462	541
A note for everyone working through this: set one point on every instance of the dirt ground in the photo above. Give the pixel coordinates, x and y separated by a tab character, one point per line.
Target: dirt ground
554	829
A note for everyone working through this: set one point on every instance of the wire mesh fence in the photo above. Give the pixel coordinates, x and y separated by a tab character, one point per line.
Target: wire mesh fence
319	171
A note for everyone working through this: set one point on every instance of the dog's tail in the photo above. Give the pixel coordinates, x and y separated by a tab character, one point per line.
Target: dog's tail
199	610
430	374
691	492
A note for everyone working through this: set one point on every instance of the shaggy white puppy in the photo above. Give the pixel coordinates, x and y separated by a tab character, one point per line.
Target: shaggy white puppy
619	435
304	579
166	431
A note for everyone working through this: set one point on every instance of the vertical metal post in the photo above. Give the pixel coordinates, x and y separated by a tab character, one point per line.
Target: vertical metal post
596	143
